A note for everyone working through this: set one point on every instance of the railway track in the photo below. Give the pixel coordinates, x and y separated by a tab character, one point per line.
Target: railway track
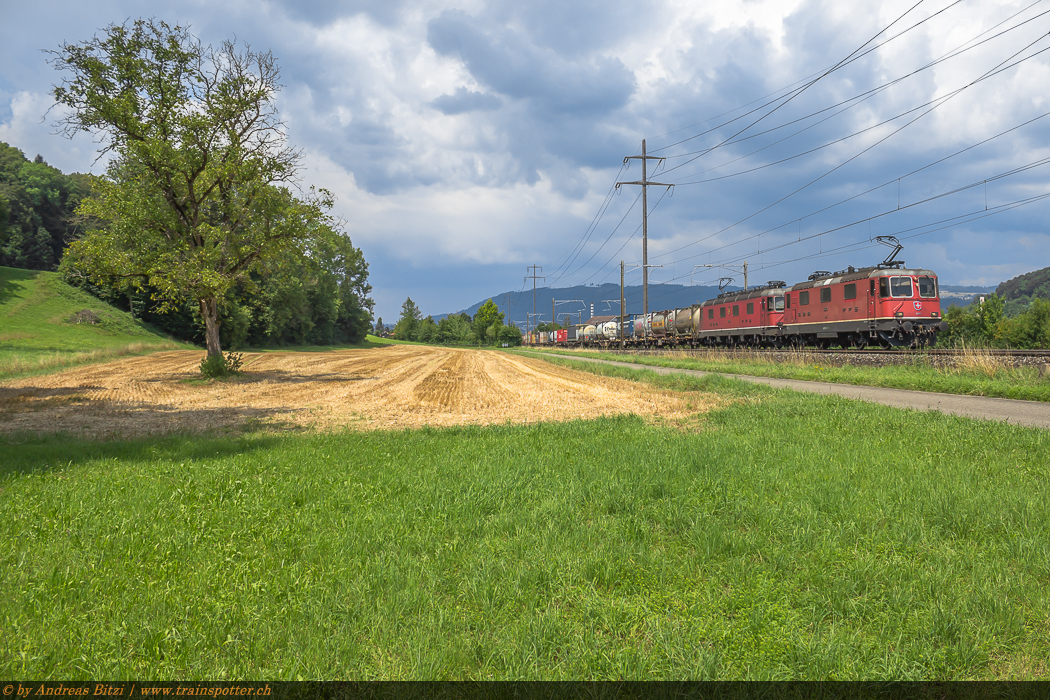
942	357
898	352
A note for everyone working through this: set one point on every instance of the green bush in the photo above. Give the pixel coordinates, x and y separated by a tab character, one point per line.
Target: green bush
217	366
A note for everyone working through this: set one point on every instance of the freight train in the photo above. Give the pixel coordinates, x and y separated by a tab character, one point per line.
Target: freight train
889	306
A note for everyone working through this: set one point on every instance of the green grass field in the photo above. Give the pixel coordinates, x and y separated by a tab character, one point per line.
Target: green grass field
782	536
37	332
979	374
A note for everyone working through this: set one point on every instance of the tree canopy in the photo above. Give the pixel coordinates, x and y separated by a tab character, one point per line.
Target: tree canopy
37	210
194	199
405	329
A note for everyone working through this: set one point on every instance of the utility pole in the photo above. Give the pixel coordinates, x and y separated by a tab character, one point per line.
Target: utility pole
645	183
529	316
621	305
623	302
534	277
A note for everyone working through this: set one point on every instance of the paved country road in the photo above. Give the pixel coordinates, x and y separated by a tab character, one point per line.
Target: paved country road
1034	414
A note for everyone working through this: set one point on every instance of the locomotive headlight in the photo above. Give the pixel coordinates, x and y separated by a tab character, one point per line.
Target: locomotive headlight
899	314
936	314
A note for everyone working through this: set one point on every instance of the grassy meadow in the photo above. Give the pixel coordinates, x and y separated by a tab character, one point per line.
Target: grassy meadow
976	373
38	332
782	536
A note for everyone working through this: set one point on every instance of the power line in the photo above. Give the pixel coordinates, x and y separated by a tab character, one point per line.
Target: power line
968	217
996	70
876	187
863	96
793	95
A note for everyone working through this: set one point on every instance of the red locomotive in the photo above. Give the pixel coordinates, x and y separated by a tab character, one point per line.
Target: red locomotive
887	305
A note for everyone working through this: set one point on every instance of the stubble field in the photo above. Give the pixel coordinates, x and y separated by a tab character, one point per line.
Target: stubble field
381	388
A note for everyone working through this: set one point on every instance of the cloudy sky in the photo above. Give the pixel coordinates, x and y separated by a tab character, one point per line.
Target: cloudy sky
468	139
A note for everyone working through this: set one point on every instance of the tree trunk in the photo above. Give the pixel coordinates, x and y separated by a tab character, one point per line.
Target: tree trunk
210	312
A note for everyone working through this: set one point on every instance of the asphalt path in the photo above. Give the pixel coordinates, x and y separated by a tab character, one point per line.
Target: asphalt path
1034	414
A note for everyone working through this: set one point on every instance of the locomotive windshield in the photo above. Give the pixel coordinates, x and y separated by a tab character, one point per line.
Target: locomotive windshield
900	286
776	303
927	287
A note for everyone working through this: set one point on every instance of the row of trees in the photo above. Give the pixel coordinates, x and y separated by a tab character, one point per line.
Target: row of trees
194	226
988	324
485	328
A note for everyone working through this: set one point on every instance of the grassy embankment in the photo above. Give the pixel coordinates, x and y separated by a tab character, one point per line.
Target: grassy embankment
782	536
975	374
37	333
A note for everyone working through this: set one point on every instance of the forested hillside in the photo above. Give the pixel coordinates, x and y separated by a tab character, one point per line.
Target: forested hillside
37	205
1029	285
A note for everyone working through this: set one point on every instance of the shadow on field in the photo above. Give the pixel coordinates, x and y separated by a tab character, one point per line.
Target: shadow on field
7	281
42	454
72	414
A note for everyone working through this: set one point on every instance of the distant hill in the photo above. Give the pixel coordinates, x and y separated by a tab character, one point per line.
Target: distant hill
46	323
971	289
605	298
1031	284
959	295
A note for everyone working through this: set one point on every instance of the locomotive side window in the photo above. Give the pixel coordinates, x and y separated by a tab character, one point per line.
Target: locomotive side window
721	312
825	294
884	286
900	286
850	291
788	300
751	308
927	287
711	313
803	298
736	309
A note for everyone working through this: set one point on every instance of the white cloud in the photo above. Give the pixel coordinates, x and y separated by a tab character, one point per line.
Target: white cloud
31	129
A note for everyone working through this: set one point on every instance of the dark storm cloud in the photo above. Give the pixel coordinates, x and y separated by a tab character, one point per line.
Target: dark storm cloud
513	65
464	100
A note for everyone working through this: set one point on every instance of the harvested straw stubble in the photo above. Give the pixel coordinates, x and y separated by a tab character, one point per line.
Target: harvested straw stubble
381	388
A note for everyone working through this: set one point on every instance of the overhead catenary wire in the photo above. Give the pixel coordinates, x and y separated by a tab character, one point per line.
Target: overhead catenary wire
566	262
996	70
949	222
962	48
837	66
895	179
998	176
816	148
